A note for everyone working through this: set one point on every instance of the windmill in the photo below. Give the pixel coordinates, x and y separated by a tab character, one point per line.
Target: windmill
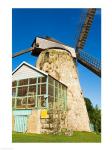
59	60
82	57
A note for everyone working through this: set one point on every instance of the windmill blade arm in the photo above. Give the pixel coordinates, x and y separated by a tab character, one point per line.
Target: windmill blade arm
85	27
22	52
89	62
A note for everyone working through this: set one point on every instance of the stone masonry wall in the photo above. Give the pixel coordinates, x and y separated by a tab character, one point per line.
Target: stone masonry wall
60	65
34	124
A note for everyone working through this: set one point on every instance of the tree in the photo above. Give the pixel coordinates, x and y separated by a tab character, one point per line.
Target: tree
94	114
97	119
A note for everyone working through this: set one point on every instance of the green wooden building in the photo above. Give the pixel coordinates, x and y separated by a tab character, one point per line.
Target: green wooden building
34	93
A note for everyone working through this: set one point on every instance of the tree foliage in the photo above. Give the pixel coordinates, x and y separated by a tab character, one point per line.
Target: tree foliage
94	114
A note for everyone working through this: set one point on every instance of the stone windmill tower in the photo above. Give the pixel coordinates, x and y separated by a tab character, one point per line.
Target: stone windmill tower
59	60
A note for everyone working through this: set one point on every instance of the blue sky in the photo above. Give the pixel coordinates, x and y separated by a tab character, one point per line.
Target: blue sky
61	24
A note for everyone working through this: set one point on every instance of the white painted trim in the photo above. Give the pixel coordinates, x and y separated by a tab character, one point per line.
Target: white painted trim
34	68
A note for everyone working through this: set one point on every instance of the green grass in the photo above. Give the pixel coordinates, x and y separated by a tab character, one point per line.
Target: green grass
77	137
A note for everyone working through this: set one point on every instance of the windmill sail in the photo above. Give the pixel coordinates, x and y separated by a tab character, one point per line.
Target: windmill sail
89	62
82	57
85	25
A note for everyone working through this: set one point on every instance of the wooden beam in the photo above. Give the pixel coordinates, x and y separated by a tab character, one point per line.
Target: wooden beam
22	52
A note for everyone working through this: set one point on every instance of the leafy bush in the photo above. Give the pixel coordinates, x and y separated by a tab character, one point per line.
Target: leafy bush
94	114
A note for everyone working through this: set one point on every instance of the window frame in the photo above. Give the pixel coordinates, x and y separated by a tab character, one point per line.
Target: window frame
35	93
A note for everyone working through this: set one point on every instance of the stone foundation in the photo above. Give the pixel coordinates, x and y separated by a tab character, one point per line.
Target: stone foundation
34	124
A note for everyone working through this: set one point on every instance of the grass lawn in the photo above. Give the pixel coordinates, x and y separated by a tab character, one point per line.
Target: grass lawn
40	138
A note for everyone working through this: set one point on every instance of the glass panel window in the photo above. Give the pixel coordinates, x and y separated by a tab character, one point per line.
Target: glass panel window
31	102
42	101
59	90
43	79
51	90
13	102
51	80
62	91
14	83
65	90
39	89
24	101
22	91
13	92
50	101
39	80
32	81
56	83
19	103
23	82
32	90
43	89
56	92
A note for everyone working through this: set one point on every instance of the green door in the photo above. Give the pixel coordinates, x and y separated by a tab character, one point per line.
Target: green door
21	123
